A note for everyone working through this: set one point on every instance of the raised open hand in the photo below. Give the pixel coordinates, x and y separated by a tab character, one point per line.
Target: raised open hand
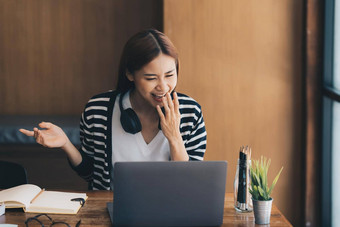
51	136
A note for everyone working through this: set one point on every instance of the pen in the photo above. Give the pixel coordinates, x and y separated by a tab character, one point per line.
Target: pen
42	190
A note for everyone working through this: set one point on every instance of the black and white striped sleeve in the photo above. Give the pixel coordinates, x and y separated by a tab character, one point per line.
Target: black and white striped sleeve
192	128
85	168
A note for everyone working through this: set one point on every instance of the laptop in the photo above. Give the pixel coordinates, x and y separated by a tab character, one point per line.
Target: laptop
168	193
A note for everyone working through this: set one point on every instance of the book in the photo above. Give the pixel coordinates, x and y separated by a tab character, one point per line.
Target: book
33	199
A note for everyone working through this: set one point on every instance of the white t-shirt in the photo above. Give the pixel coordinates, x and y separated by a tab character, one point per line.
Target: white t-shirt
132	147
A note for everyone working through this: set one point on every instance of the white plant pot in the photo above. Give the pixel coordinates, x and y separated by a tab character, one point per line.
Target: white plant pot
262	211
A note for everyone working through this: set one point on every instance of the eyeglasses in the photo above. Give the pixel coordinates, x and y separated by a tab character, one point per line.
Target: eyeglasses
30	221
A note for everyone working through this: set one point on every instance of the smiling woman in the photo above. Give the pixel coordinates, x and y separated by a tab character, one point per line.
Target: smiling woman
153	81
144	119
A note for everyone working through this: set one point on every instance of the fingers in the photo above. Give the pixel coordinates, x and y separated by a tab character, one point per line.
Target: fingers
176	102
46	125
172	103
170	120
165	104
160	113
169	104
26	132
38	136
36	132
169	100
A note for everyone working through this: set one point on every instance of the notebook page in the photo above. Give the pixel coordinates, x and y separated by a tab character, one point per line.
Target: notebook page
56	202
19	196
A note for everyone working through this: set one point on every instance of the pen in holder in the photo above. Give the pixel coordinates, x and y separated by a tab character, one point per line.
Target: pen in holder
242	196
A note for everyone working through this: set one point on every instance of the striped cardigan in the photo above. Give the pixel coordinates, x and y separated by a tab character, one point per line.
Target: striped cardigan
96	143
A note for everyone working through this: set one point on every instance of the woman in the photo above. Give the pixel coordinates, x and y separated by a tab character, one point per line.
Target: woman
139	121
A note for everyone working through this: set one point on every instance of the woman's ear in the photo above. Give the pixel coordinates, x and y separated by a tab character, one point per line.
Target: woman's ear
129	76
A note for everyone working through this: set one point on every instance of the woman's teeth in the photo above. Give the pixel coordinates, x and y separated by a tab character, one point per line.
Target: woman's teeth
159	96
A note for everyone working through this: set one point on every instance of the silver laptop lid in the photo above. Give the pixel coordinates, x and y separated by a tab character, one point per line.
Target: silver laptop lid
169	193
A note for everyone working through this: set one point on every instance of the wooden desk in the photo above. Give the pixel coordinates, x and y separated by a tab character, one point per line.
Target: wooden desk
94	213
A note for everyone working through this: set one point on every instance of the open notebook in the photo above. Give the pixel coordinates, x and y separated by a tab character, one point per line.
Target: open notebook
33	199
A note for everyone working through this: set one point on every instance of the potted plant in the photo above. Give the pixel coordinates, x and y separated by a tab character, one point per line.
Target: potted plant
262	201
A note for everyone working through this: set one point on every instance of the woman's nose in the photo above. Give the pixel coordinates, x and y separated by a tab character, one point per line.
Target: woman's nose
161	86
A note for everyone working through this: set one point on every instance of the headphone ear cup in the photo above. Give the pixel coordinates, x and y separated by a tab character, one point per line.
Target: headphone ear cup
130	121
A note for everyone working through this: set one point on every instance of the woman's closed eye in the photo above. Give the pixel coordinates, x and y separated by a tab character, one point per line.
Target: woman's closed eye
154	78
150	78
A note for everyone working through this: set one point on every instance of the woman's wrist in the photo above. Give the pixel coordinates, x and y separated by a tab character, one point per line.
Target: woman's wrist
177	150
72	153
67	146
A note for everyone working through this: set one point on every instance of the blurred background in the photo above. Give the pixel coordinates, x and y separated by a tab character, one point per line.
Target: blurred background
254	66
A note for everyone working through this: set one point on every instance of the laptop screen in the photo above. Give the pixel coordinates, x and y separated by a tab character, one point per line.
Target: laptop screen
169	193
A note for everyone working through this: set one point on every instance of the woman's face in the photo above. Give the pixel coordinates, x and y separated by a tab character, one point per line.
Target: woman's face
154	80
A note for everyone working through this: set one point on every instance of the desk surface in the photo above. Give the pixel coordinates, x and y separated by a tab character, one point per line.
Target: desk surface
94	213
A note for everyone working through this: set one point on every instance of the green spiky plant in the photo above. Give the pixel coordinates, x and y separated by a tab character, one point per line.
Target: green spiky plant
259	185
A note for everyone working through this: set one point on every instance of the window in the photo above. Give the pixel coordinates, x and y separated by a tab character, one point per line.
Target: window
331	117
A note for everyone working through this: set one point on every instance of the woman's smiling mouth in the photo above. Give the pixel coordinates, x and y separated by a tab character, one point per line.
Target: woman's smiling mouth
158	98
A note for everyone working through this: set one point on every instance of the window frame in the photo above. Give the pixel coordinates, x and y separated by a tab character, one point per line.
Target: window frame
330	95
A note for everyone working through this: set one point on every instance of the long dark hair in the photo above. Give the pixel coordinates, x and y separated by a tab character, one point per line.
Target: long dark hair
141	49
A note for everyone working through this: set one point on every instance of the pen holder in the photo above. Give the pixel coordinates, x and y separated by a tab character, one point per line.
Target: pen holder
242	196
2	208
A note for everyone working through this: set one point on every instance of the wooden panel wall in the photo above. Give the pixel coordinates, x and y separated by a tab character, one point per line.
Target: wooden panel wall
56	54
241	60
